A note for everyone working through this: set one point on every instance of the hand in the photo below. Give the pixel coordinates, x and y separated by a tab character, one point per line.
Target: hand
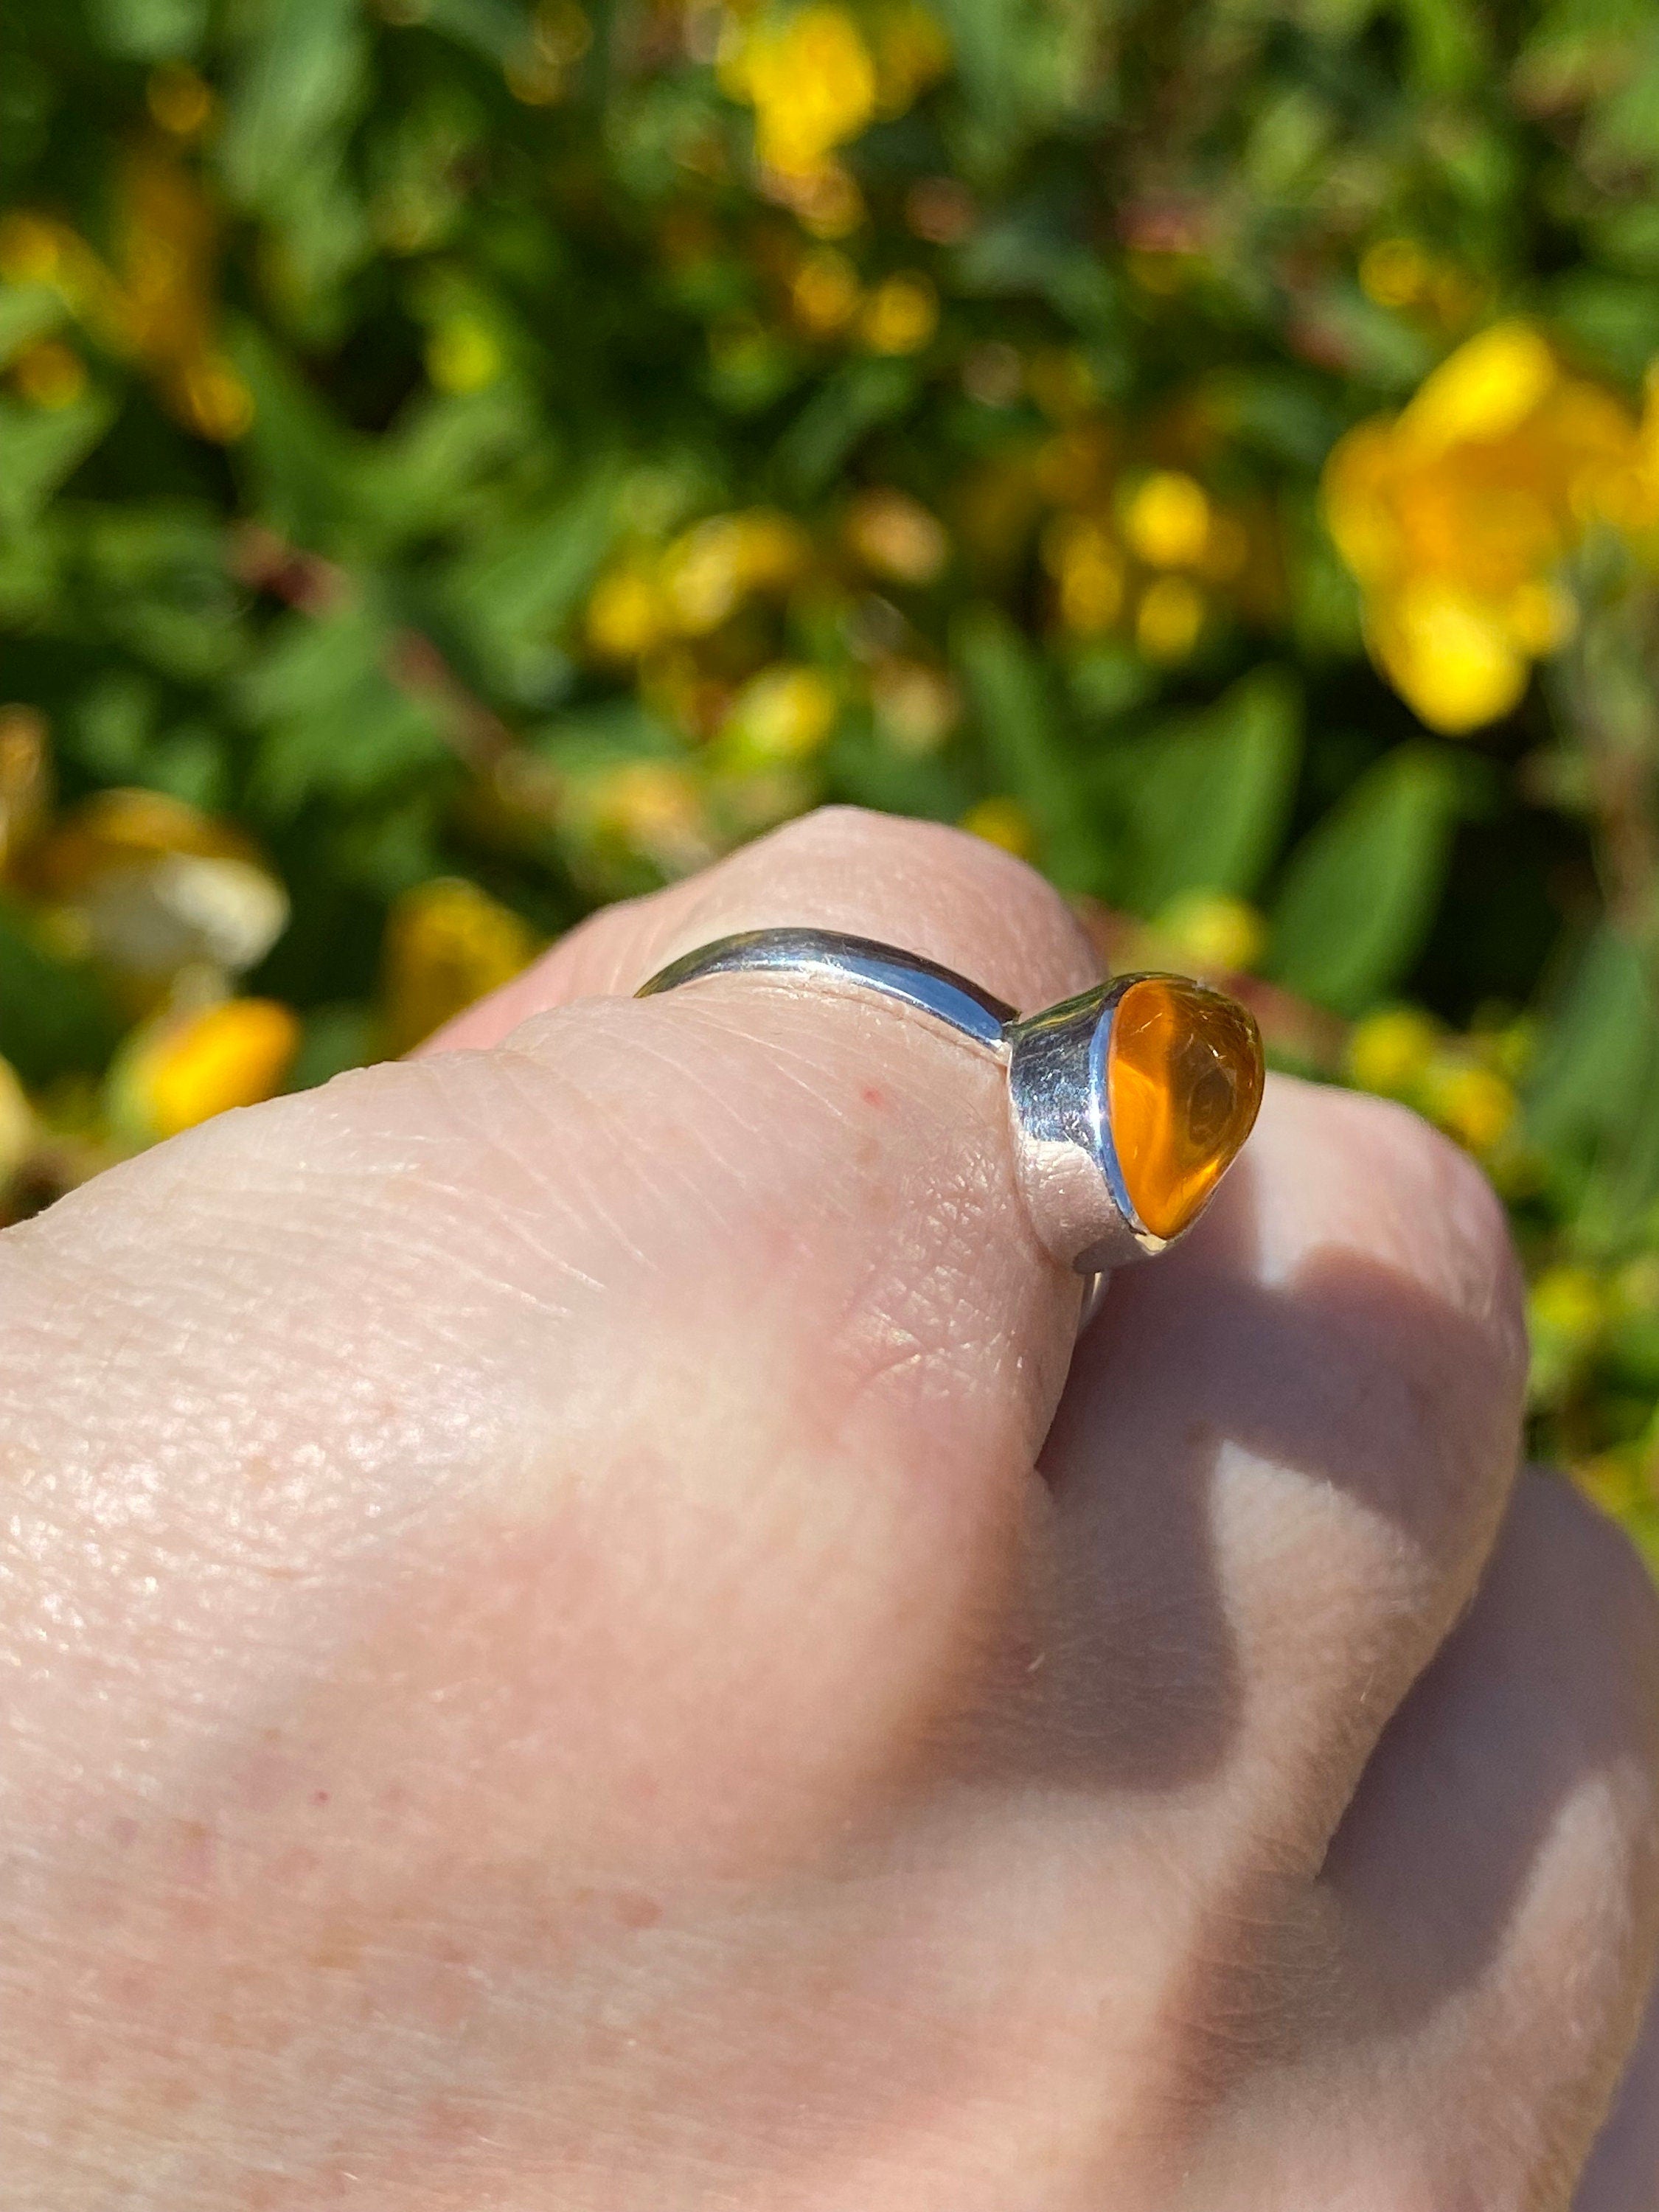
570	1646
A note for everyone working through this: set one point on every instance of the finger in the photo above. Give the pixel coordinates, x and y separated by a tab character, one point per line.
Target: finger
1496	1882
667	1361
1278	1466
910	883
1623	2174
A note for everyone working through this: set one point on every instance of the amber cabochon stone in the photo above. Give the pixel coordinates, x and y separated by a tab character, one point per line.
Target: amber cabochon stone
1184	1083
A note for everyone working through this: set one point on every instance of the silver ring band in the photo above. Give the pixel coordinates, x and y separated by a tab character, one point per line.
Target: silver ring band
1061	1075
827	957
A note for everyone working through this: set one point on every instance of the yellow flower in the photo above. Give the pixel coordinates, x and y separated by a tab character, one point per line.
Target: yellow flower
1618	1482
824	292
1169	618
825	201
1449	653
900	315
1485	391
1167	521
1003	821
30	248
462	356
50	375
915	706
1087	566
912	52
1455	515
215	402
1389	1051
538	72
25	781
1395	272
709	571
163	307
1215	932
1568	1303
703	574
626	616
1471	1102
180	99
772	550
652	806
187	1066
447	943
811	81
18	1130
897	536
783	715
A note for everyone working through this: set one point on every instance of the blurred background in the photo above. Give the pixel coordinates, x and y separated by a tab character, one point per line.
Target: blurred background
464	460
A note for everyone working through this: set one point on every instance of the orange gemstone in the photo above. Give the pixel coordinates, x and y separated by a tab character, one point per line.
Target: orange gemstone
1183	1082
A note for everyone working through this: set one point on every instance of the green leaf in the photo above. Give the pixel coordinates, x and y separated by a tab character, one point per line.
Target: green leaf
54	1017
158	571
336	1037
491	28
609	736
1614	318
1016	714
987	36
148	30
27	312
1360	891
515	592
1448	42
335	722
1206	802
301	462
439	449
840	414
1588	1086
1024	255
42	447
303	77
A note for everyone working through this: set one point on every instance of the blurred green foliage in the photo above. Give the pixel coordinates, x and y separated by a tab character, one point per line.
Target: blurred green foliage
465	461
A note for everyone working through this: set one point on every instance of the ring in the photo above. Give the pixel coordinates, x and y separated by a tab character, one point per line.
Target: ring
1128	1102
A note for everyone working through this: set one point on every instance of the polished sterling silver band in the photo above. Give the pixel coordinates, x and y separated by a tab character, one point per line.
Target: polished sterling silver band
1056	1062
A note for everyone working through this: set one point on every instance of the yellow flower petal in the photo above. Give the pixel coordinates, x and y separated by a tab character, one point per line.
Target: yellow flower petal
784	714
1449	657
812	82
18	1129
447	943
1169	618
1389	1051
900	315
1003	821
1485	390
1167	521
187	1067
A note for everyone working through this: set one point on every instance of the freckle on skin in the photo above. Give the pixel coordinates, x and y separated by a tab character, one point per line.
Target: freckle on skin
633	1909
340	1948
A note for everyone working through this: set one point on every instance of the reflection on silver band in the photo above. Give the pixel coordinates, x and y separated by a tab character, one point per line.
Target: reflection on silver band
859	962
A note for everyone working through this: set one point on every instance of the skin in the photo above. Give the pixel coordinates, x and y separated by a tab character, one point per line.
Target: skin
574	1634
